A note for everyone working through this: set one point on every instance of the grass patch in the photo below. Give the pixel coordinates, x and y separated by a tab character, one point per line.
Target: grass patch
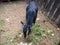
1	30
55	42
9	40
1	44
38	33
2	22
9	37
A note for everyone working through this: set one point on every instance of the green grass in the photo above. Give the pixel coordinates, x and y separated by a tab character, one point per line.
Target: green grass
56	42
9	37
1	44
9	40
38	33
1	30
2	22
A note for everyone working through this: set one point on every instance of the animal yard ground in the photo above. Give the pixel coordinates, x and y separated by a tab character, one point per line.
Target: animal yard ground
12	13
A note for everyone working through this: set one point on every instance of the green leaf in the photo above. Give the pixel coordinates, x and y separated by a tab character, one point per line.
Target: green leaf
2	22
1	30
9	37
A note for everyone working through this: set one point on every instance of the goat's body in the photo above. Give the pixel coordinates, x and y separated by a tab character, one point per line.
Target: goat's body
31	12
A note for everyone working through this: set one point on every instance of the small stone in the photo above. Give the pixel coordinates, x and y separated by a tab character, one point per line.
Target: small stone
7	20
58	29
44	35
37	19
58	38
20	35
30	43
52	34
21	43
11	40
49	31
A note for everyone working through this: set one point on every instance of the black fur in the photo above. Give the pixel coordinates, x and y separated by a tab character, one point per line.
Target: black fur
31	15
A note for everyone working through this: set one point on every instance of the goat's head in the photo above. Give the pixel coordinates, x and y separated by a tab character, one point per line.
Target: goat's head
26	29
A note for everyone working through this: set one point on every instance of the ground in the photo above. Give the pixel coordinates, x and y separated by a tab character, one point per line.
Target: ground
13	13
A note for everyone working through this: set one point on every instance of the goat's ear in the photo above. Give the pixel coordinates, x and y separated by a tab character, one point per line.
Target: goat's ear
22	23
